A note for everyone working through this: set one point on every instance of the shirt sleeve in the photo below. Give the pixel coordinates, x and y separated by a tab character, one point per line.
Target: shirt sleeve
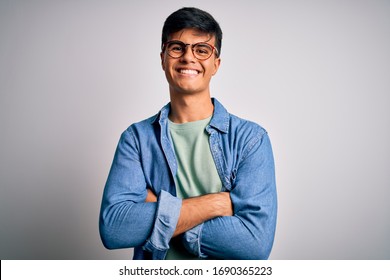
249	233
167	216
126	220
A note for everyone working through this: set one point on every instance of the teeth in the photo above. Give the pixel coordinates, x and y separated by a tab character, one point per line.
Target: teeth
188	71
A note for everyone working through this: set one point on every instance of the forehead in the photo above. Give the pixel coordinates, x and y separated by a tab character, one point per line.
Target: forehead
190	35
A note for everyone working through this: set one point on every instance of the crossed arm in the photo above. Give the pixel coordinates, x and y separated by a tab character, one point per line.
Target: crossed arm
196	210
207	223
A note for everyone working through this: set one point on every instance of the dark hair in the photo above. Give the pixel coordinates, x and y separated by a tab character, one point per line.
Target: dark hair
192	18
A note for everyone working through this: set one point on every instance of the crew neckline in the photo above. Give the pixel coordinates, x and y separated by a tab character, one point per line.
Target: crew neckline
189	125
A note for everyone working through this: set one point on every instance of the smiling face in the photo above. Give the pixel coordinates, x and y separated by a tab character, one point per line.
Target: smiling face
187	74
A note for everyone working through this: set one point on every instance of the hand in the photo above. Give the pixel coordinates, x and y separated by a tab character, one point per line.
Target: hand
224	204
150	197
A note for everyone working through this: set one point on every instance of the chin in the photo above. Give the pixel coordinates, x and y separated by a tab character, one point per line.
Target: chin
188	91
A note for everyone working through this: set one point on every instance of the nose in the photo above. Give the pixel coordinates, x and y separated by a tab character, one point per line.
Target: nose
188	55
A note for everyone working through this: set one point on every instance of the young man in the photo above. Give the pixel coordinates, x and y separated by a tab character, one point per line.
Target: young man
192	181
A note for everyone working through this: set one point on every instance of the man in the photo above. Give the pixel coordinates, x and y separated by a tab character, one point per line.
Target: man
192	181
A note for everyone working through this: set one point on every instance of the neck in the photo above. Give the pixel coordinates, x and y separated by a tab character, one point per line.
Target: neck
190	108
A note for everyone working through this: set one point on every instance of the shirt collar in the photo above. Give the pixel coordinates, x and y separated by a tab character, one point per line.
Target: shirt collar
219	121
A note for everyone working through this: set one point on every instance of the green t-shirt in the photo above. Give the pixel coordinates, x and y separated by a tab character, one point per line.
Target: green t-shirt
196	173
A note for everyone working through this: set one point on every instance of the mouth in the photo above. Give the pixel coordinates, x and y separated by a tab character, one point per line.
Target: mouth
186	71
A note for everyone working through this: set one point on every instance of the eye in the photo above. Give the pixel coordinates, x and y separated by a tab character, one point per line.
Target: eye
175	47
203	50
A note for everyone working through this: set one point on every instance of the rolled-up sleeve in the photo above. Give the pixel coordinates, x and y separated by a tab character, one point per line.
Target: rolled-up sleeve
167	216
191	241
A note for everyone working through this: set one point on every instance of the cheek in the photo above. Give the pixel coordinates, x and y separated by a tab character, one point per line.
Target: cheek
212	70
167	65
164	62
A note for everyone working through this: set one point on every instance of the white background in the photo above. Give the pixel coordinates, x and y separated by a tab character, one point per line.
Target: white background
315	74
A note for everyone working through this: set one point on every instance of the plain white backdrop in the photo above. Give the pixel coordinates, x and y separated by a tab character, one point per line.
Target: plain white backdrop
315	74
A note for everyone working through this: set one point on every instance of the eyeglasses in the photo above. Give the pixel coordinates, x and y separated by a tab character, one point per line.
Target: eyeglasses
177	49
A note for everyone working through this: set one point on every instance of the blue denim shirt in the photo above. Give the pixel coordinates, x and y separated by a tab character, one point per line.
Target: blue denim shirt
145	158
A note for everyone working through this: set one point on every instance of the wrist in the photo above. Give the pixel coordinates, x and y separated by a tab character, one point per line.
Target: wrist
222	204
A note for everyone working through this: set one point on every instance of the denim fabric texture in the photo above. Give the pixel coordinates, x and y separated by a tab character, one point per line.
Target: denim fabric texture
145	158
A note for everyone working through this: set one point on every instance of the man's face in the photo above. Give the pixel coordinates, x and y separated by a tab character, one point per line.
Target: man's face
187	74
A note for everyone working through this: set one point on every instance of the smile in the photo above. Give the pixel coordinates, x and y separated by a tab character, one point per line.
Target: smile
188	71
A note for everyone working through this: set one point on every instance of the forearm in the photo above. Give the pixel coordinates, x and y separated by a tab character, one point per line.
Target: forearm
197	210
126	224
237	239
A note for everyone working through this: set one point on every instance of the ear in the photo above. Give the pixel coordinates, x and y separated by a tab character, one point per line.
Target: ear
162	60
217	63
